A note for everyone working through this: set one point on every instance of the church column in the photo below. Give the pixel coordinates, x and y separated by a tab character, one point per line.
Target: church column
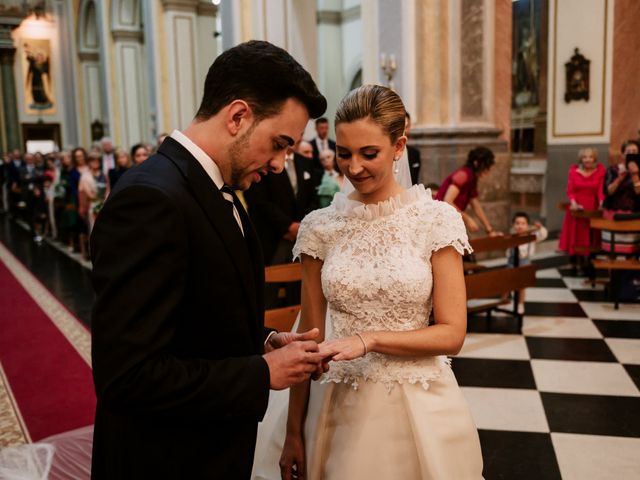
10	107
463	92
70	132
625	101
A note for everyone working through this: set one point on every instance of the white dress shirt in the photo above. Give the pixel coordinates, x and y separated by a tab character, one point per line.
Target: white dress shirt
209	166
290	167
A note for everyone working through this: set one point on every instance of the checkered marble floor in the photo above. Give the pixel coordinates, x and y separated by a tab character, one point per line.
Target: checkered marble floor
562	400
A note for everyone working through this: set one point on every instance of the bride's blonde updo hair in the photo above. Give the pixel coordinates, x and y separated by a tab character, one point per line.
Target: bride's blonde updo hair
380	104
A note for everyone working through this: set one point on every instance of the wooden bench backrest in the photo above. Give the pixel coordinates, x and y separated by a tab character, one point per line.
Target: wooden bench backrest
281	319
490	244
615	225
288	272
494	283
580	213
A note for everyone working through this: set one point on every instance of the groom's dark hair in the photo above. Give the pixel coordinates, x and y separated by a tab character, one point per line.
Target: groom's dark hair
262	75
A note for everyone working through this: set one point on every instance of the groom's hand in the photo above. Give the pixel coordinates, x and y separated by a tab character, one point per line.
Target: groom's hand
280	339
292	364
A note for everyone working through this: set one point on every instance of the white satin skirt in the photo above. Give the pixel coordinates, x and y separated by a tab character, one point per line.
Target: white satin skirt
370	433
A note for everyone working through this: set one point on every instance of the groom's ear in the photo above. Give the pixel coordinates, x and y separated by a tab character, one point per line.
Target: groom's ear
238	116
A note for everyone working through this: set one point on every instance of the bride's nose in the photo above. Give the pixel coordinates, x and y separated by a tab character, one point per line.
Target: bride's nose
355	166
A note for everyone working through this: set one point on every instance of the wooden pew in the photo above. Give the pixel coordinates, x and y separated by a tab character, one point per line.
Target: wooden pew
282	319
503	242
612	263
494	284
563	206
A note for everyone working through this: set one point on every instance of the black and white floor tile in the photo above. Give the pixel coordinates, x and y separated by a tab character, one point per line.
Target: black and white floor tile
562	399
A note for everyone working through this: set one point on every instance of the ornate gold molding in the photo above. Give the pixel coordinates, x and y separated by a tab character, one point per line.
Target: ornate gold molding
190	6
604	76
123	34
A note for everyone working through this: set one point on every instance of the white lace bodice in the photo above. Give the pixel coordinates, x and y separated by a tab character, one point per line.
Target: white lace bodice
377	274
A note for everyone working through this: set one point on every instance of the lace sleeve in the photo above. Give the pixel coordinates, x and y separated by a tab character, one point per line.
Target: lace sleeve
309	240
448	229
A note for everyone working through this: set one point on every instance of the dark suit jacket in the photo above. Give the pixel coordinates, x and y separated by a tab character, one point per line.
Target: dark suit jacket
273	206
316	153
414	163
177	327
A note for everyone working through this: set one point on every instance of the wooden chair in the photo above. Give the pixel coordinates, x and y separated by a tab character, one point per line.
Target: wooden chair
282	319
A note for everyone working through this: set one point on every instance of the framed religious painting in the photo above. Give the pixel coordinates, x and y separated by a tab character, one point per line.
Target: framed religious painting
577	78
39	91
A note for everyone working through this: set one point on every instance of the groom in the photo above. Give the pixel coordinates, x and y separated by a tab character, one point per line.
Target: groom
182	364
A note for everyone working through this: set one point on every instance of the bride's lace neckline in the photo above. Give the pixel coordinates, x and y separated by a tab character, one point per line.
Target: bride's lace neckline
353	208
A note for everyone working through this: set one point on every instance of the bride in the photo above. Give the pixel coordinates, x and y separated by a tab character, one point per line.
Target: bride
376	264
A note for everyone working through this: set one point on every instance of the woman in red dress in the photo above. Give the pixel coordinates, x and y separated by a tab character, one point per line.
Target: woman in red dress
460	188
585	192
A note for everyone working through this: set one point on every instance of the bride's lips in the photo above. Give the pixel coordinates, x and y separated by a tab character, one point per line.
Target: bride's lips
358	179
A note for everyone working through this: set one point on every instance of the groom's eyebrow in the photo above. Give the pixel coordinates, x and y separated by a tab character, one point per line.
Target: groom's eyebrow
287	139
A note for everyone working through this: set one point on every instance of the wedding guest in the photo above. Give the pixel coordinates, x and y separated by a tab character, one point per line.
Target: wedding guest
584	192
108	158
520	225
332	178
413	152
67	201
139	153
460	188
123	163
621	182
85	190
322	141
279	202
305	149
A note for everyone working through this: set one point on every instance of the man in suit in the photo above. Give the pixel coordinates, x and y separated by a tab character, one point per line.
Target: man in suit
182	364
279	203
108	155
413	153
321	142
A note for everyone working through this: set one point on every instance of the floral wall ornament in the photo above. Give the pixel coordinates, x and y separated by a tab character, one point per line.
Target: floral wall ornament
577	78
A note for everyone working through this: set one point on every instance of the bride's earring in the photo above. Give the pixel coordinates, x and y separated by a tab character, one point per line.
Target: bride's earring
396	169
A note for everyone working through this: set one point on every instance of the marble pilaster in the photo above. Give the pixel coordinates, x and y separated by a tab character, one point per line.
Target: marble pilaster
8	83
625	101
464	92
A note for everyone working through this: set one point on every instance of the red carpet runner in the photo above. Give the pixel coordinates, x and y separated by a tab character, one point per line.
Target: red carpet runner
47	370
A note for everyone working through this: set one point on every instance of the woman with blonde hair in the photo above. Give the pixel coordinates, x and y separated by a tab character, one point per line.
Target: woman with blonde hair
584	192
375	265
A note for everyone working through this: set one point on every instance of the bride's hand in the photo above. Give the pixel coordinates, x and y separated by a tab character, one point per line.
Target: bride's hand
348	348
292	461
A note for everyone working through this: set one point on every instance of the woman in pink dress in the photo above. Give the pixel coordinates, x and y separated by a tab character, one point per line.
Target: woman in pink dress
585	192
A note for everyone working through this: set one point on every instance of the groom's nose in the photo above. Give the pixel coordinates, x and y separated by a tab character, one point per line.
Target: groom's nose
276	164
